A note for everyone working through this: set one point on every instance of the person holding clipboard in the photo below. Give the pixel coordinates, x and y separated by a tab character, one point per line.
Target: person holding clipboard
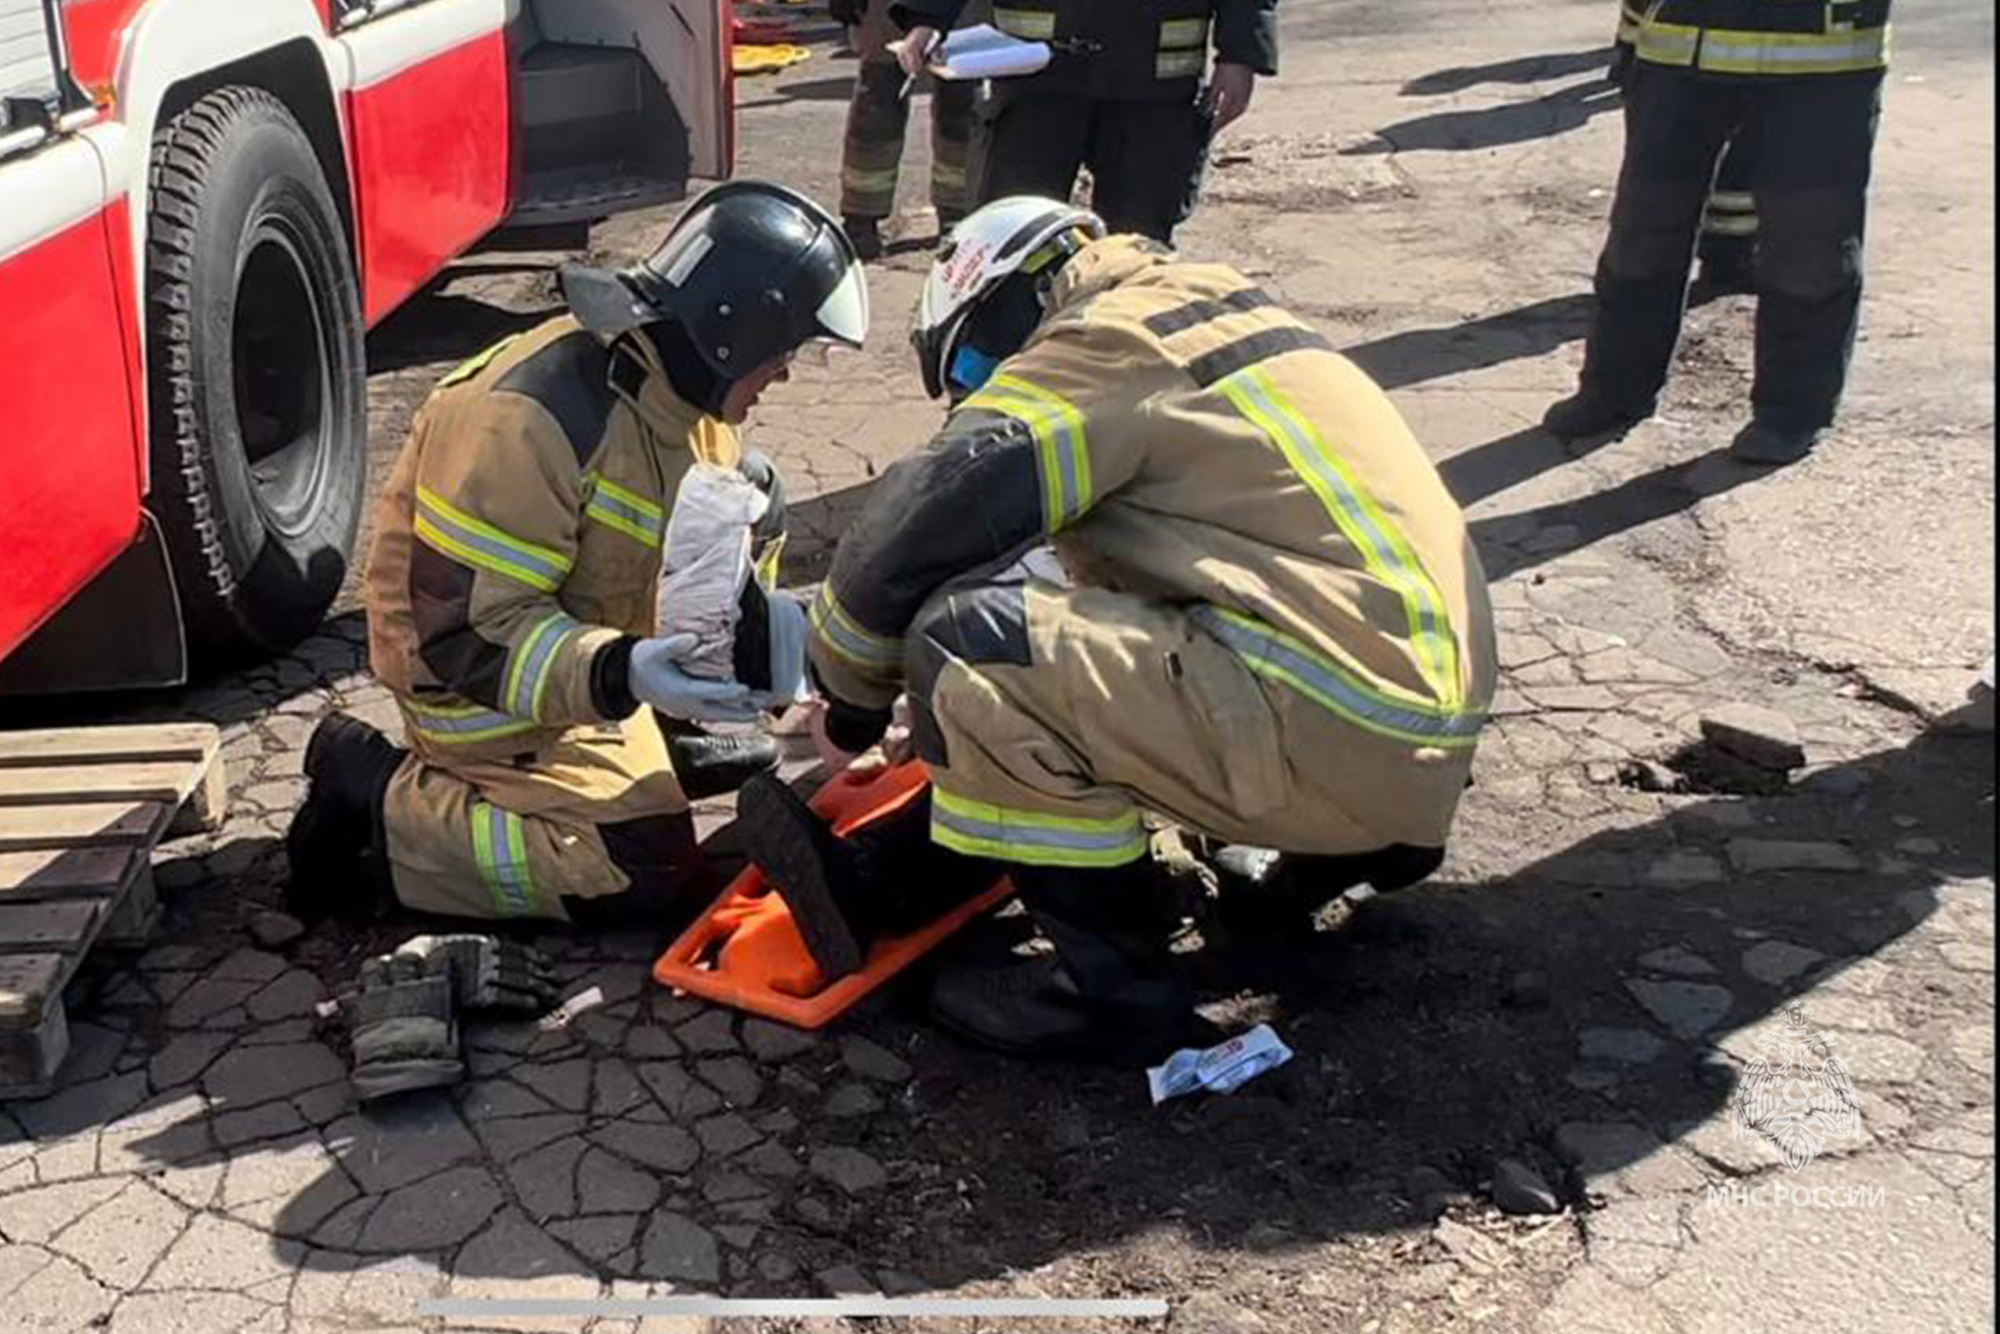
1129	93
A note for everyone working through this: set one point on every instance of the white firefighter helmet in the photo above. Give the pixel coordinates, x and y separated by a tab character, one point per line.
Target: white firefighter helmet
1022	234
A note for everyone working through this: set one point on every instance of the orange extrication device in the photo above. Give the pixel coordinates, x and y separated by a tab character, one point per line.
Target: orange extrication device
746	952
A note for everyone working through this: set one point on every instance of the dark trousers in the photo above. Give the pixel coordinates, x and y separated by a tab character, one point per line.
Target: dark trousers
1145	157
872	152
1815	135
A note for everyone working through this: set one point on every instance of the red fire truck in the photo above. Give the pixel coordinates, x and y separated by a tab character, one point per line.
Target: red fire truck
203	205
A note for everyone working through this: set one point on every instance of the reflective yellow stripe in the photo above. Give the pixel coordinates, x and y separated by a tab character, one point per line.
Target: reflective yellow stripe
1381	545
982	829
1059	440
463	724
1733	201
1179	64
624	511
500	846
1178	33
868	182
472	365
1723	224
845	636
1666	43
946	174
1030	25
767	563
457	534
529	664
1727	52
1339	687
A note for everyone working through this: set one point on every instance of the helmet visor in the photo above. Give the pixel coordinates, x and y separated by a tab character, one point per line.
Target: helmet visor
843	316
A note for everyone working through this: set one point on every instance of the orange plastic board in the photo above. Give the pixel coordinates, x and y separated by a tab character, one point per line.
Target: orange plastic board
746	953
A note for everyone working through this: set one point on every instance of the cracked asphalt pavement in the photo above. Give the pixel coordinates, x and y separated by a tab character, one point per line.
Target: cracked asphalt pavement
1511	1107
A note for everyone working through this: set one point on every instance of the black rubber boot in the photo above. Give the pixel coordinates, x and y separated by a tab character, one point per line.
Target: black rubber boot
1108	995
1772	446
1583	414
865	235
709	764
886	880
337	847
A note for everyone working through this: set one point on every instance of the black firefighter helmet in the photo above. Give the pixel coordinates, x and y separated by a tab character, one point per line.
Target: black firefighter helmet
751	272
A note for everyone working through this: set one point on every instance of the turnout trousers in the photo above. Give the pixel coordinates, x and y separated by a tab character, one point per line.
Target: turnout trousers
1146	157
1052	715
592	828
1814	138
878	116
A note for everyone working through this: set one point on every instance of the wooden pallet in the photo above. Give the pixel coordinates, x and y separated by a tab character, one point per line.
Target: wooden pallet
80	812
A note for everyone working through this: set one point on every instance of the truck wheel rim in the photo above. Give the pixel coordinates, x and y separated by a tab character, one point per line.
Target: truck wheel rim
282	380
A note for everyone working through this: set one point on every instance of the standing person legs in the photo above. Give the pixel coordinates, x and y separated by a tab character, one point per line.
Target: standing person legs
1675	129
1028	142
951	151
1147	159
872	153
1817	145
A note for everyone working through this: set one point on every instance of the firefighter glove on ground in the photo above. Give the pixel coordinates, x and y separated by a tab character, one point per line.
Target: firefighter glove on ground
489	974
403	1022
657	677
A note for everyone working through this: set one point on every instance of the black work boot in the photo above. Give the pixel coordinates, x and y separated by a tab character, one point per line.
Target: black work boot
1109	993
708	764
1584	414
886	879
865	235
337	846
1769	446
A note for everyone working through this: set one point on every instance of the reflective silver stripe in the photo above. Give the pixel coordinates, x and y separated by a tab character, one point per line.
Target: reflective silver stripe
1782	53
1331	685
982	828
465	724
456	533
1724	224
849	639
1735	201
1030	25
1382	547
1058	429
500	845
528	675
626	512
1179	64
1176	34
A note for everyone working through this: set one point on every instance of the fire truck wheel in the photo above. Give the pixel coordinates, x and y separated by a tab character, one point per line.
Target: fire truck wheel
258	384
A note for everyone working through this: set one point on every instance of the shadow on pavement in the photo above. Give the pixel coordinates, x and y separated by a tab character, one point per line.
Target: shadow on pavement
1414	356
444	327
1439	1028
1520	69
1544	117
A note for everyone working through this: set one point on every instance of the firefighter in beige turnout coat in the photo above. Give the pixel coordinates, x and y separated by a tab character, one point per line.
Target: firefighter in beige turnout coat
512	586
1262	616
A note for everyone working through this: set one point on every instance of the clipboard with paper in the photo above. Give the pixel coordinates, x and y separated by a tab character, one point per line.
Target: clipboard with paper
984	52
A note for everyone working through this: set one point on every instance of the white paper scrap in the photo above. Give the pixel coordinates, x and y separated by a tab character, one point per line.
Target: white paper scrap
1220	1069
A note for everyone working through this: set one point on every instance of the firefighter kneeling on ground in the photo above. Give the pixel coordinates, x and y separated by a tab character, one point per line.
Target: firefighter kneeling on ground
513	585
1261	617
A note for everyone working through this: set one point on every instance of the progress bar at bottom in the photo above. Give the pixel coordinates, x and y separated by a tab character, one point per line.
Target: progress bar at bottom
967	1308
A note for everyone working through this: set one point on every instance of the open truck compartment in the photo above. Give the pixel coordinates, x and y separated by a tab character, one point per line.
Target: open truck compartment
617	104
